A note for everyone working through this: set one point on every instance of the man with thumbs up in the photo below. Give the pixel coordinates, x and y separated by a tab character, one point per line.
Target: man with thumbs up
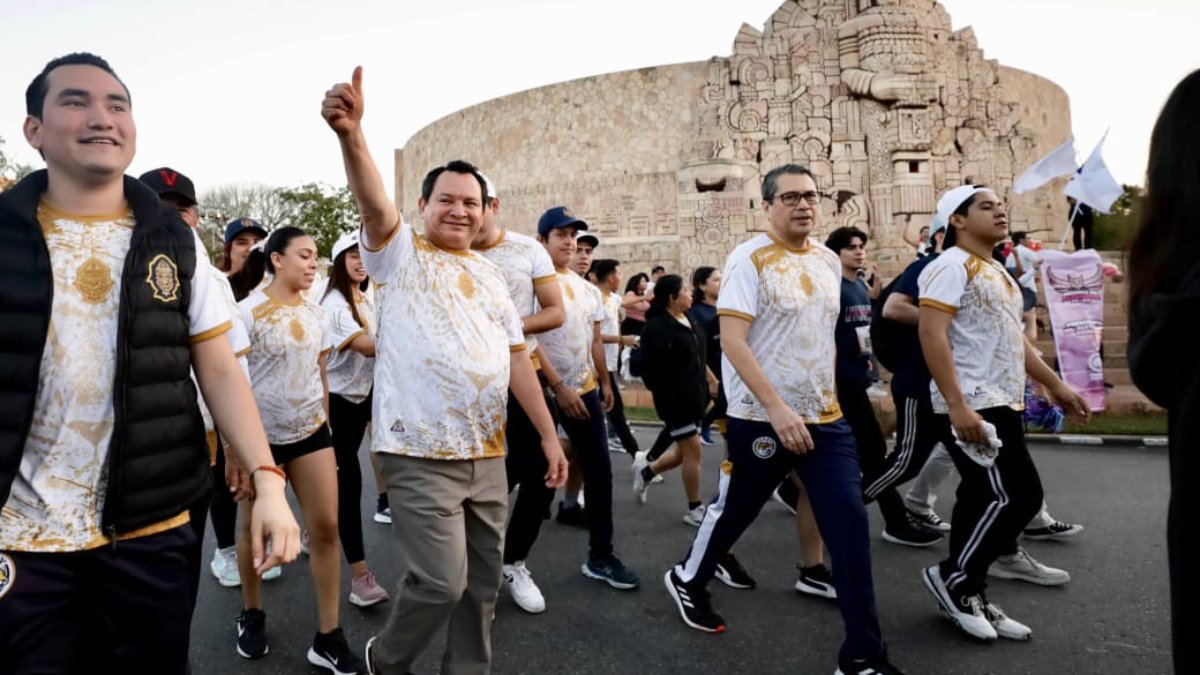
446	319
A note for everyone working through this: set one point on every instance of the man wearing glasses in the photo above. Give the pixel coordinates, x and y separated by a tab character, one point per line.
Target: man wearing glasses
779	305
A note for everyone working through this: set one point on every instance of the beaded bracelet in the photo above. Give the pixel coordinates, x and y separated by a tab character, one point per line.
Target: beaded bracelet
270	468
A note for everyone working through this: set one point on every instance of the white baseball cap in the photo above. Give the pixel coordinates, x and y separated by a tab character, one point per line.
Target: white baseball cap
345	242
949	202
491	187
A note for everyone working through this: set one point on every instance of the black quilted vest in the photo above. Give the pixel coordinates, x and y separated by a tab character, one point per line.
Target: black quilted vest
158	458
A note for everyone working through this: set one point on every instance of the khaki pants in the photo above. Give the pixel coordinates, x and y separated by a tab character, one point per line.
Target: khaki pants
449	519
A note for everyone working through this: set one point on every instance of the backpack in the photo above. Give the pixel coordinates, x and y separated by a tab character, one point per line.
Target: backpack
889	339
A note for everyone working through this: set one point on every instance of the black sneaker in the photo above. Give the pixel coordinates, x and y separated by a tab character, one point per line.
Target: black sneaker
731	573
571	515
694	606
1055	530
816	580
930	521
787	494
876	666
330	651
611	571
909	532
252	634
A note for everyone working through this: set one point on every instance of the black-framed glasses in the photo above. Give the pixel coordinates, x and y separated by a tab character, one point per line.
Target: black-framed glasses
793	198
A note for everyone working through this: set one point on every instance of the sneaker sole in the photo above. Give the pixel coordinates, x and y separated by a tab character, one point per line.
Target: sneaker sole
817	592
1002	574
226	583
1053	535
620	586
1015	637
382	520
724	578
914	544
322	662
360	602
682	613
273	573
244	655
947	607
367	655
688	520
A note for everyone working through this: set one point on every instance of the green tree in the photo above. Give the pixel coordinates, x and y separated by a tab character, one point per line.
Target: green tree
10	171
323	211
1112	231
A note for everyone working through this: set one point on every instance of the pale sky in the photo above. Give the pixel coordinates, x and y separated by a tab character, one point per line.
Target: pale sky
229	91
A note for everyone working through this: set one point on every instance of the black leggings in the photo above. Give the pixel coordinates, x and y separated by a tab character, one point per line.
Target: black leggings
348	422
222	507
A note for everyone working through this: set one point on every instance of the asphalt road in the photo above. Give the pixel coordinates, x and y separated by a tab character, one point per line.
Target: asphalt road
1113	617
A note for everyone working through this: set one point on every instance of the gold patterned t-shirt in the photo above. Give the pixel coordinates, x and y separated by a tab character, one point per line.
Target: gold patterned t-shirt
447	328
58	493
985	334
792	298
350	374
286	343
525	264
569	347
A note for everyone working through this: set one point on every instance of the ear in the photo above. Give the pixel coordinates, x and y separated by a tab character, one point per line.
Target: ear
766	206
32	129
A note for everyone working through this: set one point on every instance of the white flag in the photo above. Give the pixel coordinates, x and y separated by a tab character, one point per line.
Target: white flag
1094	185
1058	162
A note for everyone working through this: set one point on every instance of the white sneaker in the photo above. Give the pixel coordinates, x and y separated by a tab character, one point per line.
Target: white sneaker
695	516
1023	567
384	517
876	391
524	592
969	615
225	568
1005	627
657	480
273	573
639	483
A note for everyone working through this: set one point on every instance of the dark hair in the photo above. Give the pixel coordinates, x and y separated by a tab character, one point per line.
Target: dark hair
35	93
258	263
657	268
603	267
699	278
632	284
1019	236
667	287
771	181
1165	245
951	237
843	237
457	166
339	280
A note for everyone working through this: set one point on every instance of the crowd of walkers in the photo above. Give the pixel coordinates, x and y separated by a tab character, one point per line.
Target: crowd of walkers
151	391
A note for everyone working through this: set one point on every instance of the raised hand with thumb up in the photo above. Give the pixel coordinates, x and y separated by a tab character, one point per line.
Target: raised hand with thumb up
343	105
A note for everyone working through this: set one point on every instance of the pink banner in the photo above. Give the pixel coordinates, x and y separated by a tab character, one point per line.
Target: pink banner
1074	287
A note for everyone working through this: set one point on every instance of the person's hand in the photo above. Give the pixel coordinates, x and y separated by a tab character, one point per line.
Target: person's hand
274	534
629	340
790	429
607	400
343	105
569	402
1070	401
556	476
237	477
967	424
714	386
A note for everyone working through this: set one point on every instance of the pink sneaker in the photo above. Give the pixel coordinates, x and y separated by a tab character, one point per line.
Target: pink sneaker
365	591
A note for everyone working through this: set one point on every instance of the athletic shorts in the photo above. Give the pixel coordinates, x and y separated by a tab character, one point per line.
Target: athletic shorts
286	452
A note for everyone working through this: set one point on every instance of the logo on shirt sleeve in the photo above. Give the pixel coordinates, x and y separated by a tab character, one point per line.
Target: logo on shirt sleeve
8	574
163	277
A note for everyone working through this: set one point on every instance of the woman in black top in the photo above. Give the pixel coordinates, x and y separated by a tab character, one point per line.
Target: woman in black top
677	376
1164	302
706	286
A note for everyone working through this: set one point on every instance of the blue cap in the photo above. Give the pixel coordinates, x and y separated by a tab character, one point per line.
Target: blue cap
559	216
239	225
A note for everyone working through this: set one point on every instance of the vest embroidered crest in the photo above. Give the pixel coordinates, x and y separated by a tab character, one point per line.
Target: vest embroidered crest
163	278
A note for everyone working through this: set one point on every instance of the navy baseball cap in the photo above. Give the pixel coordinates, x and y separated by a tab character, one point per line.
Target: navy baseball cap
559	216
168	181
240	225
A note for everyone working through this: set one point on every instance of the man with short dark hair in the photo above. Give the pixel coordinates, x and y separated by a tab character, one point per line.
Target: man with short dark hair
102	447
606	275
1024	263
449	323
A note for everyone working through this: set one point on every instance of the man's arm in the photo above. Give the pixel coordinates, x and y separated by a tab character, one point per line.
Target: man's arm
933	328
551	315
606	394
343	111
902	308
231	402
787	424
523	382
568	399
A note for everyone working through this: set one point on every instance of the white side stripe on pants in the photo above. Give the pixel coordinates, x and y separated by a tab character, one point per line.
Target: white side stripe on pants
981	528
904	447
687	570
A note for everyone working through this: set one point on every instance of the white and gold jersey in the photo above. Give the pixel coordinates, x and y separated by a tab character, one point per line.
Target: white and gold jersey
286	342
569	347
350	374
791	297
58	493
985	333
611	326
525	264
446	330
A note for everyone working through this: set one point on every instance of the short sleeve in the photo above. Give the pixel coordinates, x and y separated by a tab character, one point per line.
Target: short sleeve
208	315
384	261
599	314
739	288
942	285
339	321
543	267
512	328
246	316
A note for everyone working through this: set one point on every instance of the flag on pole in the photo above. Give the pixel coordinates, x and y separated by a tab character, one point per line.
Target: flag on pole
1058	162
1094	185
